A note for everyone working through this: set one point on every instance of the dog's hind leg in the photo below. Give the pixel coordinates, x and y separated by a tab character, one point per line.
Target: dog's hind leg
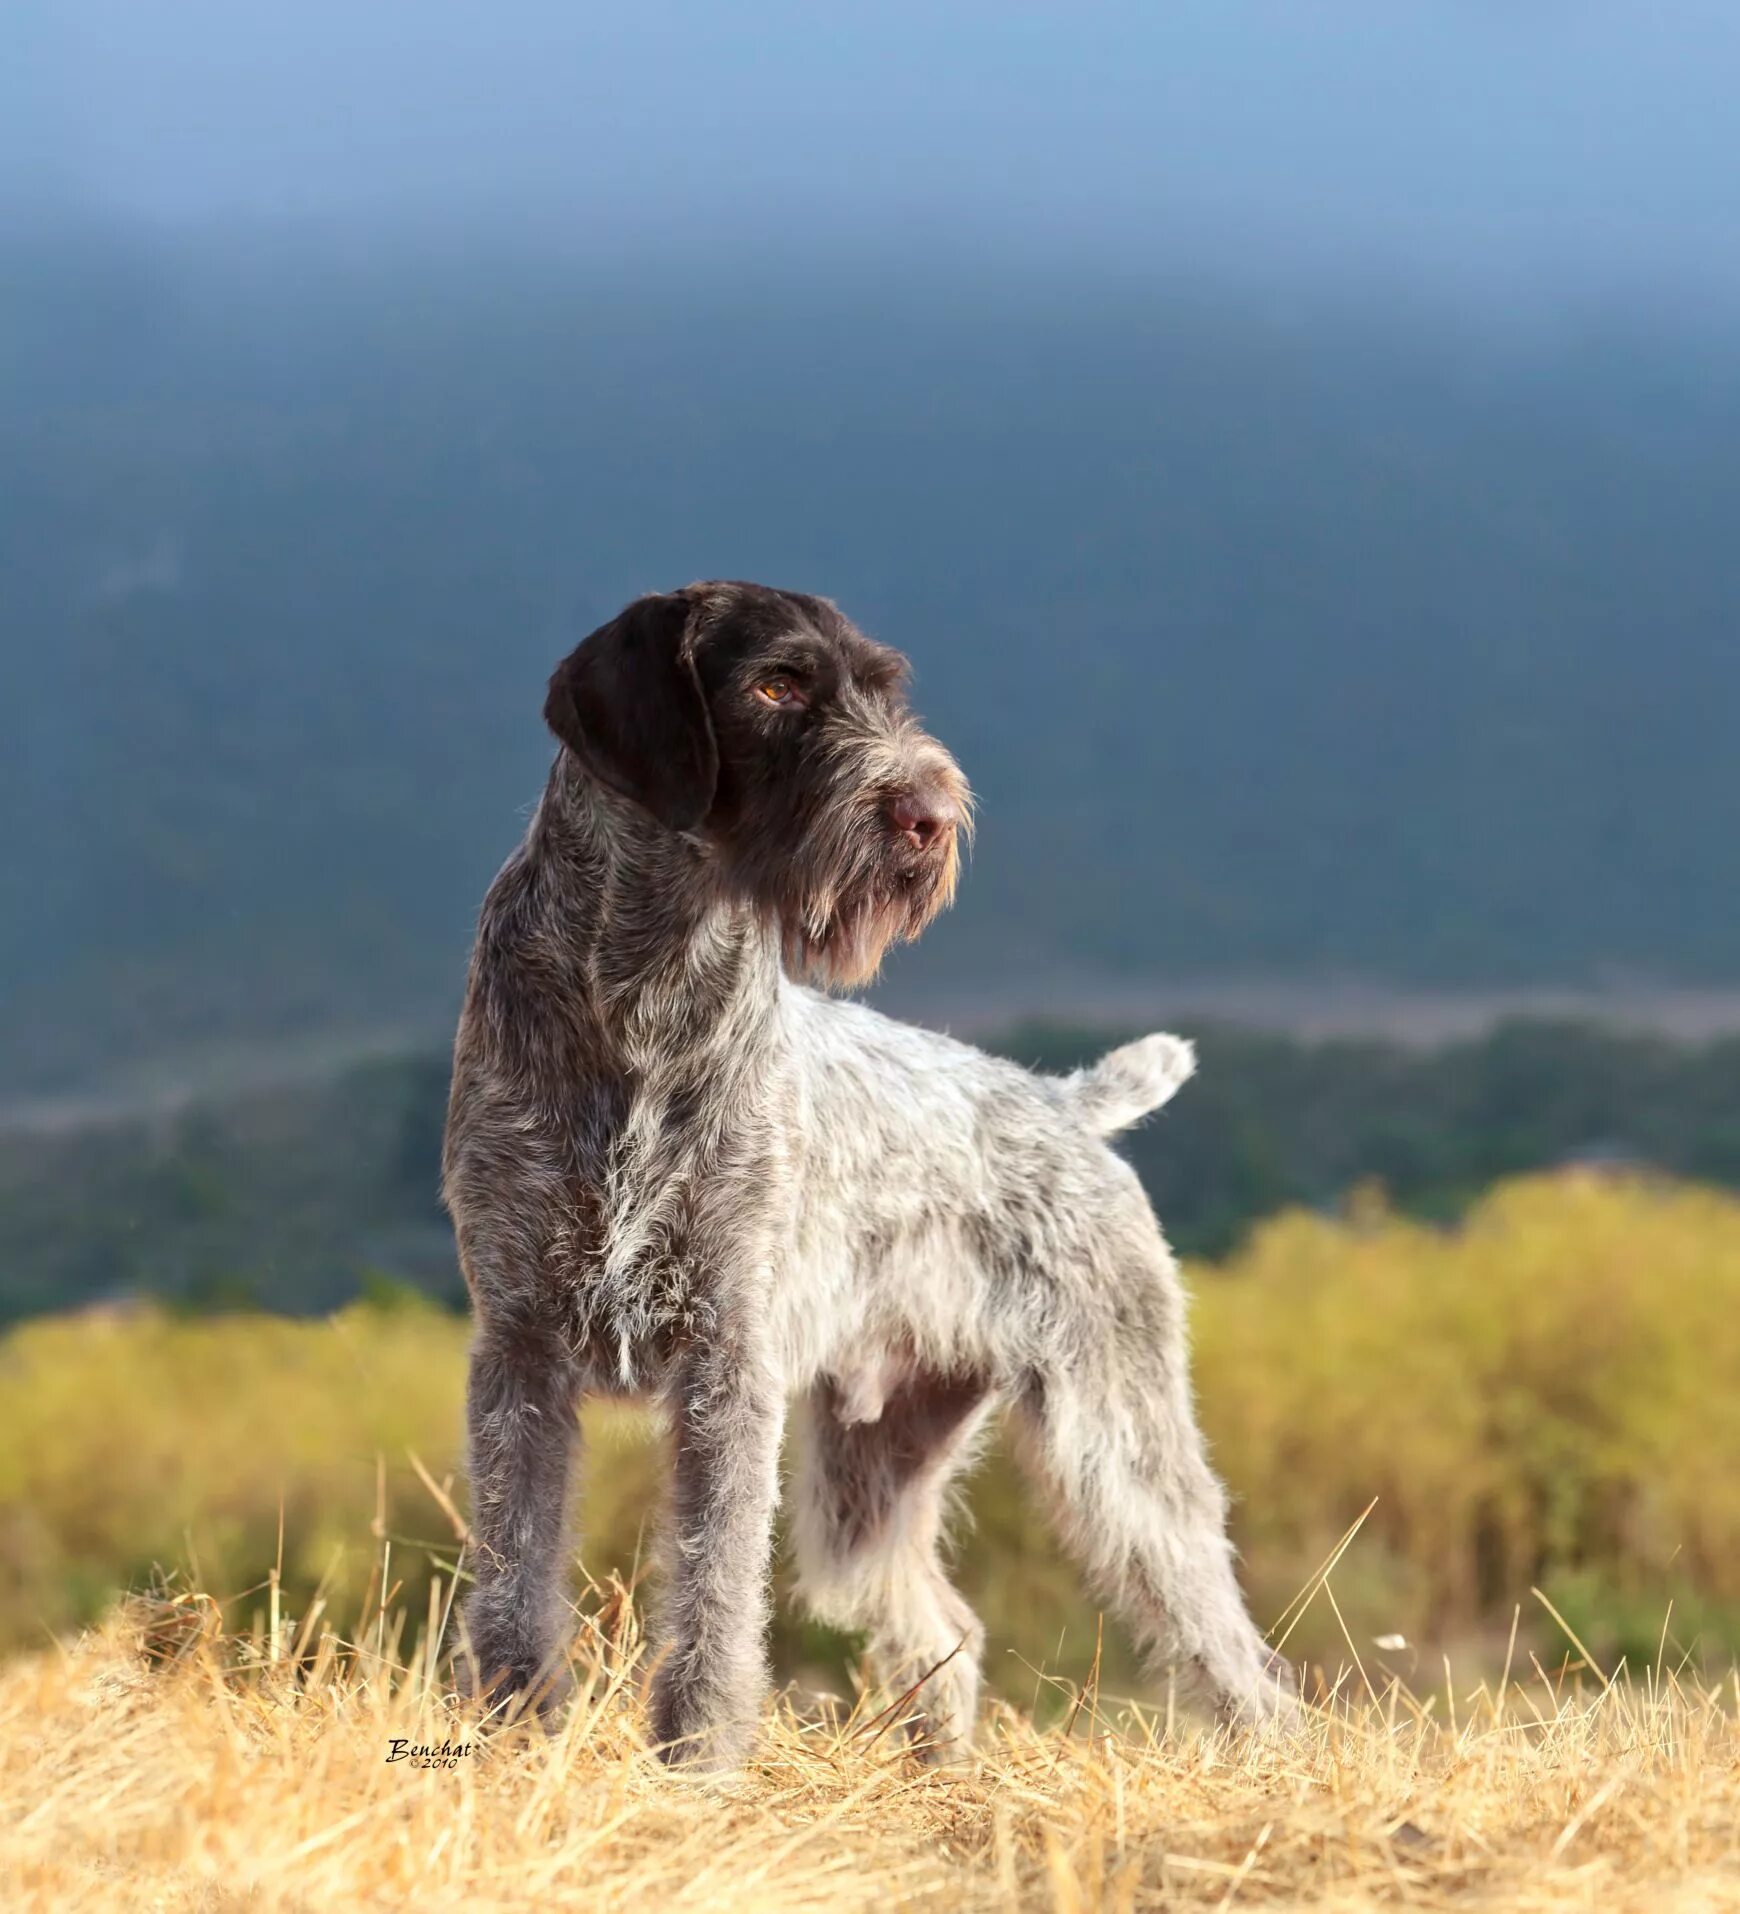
521	1409
1107	1426
868	1524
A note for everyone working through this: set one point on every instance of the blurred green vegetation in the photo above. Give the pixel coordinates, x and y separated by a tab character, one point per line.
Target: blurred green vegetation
1540	1397
294	1200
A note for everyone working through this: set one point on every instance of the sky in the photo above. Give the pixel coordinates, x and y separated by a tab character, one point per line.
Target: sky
1498	144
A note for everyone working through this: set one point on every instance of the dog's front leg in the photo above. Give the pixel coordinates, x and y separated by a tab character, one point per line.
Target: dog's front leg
728	1414
521	1406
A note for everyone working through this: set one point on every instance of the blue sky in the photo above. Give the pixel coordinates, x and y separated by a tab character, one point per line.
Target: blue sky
1502	144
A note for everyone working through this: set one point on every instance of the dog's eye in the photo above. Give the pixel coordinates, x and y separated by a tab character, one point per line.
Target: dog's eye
778	690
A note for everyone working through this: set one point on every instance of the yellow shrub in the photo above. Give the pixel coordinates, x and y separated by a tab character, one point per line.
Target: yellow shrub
138	1439
1550	1391
1551	1387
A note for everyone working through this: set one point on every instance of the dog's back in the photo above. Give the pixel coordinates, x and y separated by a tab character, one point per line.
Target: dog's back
932	1172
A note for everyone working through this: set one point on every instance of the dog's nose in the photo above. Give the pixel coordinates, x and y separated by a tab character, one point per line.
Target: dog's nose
921	816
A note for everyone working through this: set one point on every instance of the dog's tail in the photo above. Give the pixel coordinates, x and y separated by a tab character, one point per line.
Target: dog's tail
1131	1081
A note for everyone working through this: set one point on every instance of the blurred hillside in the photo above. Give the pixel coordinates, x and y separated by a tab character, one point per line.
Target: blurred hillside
1285	634
303	1197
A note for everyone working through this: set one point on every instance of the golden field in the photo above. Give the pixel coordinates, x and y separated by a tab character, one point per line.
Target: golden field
1525	1431
156	1765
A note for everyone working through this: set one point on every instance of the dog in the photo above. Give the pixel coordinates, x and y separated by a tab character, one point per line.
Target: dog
679	1171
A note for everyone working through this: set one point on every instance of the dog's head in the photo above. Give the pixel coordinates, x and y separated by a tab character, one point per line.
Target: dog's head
767	725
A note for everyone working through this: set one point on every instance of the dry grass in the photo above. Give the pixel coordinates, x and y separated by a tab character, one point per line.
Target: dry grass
160	1764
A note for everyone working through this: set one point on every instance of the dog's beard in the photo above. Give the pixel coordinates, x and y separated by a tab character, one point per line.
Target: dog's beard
846	948
838	936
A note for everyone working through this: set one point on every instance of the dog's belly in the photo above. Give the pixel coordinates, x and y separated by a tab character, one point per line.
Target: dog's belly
868	1309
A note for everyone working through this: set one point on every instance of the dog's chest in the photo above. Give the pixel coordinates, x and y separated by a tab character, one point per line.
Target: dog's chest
679	1191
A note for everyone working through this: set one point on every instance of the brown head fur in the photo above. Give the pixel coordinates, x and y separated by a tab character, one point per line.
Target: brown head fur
765	727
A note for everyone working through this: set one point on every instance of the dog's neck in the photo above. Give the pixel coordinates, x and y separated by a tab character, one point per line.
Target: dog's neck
667	951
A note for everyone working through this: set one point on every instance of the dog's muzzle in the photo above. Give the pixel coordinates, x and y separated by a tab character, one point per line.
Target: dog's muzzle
923	813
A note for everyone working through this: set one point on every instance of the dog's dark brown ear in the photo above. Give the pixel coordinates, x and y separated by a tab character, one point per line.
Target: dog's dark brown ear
627	701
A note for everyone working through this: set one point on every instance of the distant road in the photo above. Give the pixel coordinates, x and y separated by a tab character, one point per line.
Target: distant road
218	1075
1310	1011
1317	1010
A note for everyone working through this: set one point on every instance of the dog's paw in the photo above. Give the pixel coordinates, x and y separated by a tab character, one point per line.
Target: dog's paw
718	1752
509	1685
1265	1700
698	1731
1270	1707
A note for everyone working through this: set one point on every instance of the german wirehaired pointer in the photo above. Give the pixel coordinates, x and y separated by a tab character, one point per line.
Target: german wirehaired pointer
679	1173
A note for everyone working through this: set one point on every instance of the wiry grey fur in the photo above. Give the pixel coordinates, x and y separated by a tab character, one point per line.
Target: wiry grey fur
677	1173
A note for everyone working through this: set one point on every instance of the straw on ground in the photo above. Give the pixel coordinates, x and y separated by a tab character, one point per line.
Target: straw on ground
159	1763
